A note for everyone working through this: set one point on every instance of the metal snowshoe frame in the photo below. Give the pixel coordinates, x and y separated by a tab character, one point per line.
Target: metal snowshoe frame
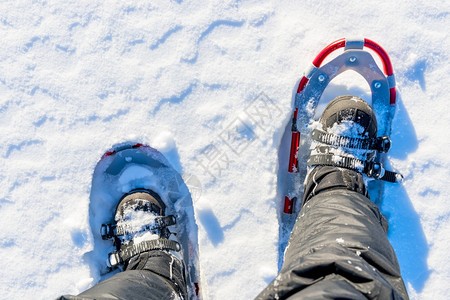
310	88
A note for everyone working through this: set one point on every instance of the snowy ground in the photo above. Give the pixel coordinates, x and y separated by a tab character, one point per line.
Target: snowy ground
77	77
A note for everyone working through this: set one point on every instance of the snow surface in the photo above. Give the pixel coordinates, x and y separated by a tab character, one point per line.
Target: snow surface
188	77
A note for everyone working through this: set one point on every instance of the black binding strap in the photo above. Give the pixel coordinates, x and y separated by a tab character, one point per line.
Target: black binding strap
381	144
126	252
371	169
111	230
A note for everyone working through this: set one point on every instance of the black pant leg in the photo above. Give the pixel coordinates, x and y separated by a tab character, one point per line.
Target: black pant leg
338	249
133	284
152	275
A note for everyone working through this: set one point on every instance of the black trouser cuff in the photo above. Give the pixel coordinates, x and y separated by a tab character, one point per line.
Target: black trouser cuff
325	178
163	264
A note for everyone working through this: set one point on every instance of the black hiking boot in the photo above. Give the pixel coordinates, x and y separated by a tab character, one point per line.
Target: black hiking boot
345	144
143	240
140	225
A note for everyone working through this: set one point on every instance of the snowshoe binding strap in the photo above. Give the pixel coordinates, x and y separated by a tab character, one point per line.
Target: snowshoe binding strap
116	258
108	231
371	169
381	144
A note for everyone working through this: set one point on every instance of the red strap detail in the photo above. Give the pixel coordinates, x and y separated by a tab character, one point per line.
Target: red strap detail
288	205
392	95
295	141
302	84
138	145
293	161
197	288
109	153
327	50
387	66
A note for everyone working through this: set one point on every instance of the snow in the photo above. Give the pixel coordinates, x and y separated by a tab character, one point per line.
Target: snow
135	224
211	85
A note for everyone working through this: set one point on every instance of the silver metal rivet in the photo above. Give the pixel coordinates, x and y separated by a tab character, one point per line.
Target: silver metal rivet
377	85
321	77
352	59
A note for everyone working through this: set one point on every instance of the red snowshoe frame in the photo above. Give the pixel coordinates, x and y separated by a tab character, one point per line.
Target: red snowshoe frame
311	87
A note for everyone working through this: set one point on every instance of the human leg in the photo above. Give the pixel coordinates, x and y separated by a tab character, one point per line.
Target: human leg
338	248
